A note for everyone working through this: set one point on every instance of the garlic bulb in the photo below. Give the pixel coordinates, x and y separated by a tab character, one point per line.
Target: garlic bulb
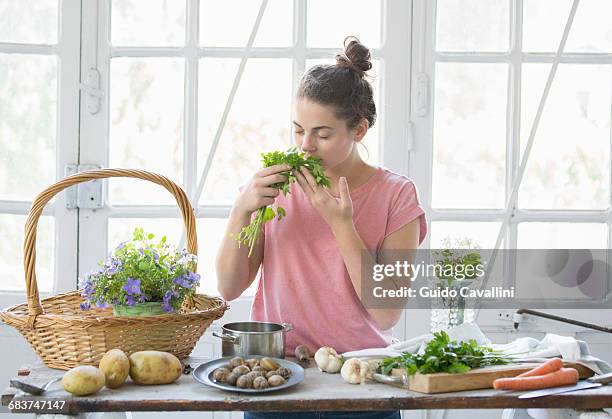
328	360
354	371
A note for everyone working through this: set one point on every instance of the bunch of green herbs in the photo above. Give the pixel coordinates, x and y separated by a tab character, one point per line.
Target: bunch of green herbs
249	234
445	355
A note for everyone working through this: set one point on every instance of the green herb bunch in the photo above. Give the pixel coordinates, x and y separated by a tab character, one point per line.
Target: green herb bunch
249	234
445	355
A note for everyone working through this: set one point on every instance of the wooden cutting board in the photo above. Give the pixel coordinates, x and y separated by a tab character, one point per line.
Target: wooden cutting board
475	379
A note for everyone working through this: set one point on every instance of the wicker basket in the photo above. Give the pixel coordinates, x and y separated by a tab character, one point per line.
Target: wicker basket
65	336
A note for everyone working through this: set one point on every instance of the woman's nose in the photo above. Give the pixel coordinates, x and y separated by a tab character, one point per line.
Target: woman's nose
308	143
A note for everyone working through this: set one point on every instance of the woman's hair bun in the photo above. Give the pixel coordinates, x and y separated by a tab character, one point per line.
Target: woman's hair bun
356	56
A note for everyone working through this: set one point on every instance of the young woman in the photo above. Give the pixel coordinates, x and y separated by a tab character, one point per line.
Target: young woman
311	260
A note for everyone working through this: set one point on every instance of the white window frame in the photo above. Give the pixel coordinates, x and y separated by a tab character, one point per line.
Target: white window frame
424	60
67	145
394	56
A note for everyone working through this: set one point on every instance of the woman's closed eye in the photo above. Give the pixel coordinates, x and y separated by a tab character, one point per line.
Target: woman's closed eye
323	137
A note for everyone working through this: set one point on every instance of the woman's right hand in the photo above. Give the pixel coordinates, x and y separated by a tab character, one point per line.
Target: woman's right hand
258	193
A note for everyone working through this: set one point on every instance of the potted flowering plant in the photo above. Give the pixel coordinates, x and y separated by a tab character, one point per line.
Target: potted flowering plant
454	258
141	278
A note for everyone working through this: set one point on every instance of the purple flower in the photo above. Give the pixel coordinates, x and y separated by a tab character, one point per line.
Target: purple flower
101	303
112	266
194	278
85	306
130	301
188	280
166	303
132	287
120	246
183	281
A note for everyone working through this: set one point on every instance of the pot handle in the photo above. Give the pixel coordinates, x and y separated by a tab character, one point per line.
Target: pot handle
228	338
287	327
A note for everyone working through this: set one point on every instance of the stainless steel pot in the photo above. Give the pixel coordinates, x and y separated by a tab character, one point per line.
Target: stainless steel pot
253	338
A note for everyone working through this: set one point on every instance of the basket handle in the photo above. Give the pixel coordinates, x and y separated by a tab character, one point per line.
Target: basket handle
29	245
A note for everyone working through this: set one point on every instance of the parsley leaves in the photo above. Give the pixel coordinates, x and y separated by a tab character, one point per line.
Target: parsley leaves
445	355
249	234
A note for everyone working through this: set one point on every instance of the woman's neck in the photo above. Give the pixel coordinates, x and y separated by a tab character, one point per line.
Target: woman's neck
356	171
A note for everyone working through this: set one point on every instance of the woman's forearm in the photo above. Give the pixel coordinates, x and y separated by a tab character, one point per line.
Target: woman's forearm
232	263
353	249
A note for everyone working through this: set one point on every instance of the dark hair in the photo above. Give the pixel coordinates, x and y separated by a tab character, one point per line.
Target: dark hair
343	85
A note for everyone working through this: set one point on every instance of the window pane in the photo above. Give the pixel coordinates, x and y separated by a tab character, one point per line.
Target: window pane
565	278
473	25
329	22
28	107
569	165
484	234
12	276
146	126
148	22
544	21
562	236
369	150
210	236
221	26
122	229
469	135
258	121
42	19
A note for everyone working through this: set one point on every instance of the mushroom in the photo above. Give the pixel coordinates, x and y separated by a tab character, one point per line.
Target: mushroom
269	364
260	383
234	362
284	372
276	380
252	362
244	381
232	378
241	369
221	374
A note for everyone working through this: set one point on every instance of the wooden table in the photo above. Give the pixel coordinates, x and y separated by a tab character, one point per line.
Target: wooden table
318	391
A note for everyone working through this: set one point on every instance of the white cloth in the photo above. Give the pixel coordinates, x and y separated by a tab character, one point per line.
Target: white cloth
463	332
533	350
523	349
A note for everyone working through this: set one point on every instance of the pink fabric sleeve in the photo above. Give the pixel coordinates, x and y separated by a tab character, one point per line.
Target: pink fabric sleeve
405	208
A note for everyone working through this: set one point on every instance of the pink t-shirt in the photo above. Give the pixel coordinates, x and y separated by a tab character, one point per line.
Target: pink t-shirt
303	279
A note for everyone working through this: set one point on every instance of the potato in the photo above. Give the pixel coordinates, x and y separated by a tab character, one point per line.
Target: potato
116	367
83	380
154	367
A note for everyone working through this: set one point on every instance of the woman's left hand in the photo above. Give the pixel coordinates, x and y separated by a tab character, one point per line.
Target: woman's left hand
335	211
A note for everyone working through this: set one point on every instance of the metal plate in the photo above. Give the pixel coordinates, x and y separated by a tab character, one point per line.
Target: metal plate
204	372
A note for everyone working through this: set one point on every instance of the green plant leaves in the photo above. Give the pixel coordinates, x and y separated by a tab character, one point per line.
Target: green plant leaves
249	234
445	355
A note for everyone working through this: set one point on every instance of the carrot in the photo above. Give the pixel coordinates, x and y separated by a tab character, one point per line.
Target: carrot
561	377
551	365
